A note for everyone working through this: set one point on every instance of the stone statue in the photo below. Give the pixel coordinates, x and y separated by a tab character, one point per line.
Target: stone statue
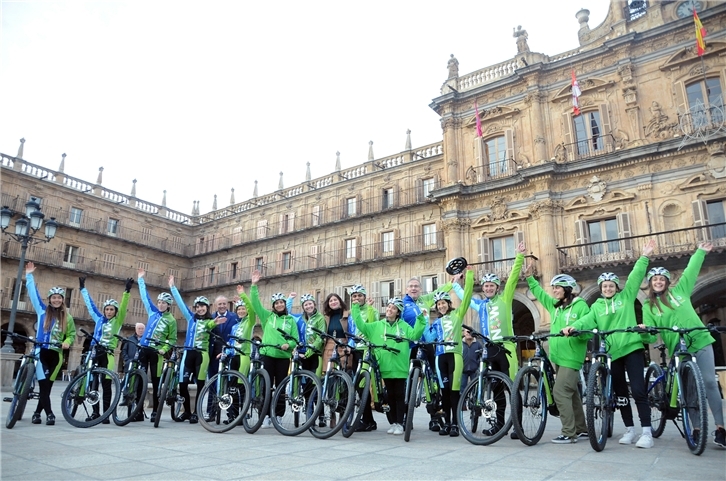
521	36
453	66
657	122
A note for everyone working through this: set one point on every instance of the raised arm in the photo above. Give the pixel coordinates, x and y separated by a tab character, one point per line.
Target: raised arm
150	307
262	313
32	288
92	309
638	273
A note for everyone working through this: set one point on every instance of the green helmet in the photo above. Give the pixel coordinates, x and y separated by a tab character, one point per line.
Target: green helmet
57	290
201	300
659	271
396	301
305	298
442	296
112	303
491	278
563	280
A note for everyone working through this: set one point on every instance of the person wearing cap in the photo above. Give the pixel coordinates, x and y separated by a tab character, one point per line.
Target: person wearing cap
567	353
108	325
449	360
670	306
394	366
57	330
161	326
616	310
195	359
275	360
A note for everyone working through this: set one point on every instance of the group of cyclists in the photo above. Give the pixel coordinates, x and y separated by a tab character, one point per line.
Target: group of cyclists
414	316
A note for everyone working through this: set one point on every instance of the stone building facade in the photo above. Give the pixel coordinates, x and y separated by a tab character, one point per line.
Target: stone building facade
644	159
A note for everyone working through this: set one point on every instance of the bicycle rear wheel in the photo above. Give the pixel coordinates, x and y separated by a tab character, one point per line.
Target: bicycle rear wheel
529	405
337	398
83	397
414	398
694	414
20	396
488	414
598	410
260	396
164	386
226	406
131	400
362	393
290	413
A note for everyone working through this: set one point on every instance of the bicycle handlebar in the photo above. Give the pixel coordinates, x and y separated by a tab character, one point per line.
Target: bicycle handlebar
419	342
633	329
30	339
370	345
486	339
325	335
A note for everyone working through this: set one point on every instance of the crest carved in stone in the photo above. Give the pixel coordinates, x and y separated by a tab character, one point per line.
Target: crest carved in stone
596	189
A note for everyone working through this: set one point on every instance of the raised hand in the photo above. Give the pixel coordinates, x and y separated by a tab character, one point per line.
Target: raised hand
171	282
529	269
29	268
293	295
256	276
129	284
240	289
82	282
520	248
706	246
142	272
649	247
370	301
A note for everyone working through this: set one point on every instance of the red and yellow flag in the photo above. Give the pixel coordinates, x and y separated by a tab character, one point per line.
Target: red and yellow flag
700	34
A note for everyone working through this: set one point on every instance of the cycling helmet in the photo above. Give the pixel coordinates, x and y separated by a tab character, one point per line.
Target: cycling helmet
57	290
238	303
278	296
357	289
201	300
608	276
491	278
659	271
112	303
396	301
563	280
166	297
439	296
305	298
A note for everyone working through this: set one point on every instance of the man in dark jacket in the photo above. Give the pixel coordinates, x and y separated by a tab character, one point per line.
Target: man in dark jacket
471	358
128	351
224	330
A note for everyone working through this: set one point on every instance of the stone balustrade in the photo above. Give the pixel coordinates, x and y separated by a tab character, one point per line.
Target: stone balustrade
486	75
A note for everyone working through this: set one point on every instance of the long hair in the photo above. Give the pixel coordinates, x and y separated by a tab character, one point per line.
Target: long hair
448	311
327	311
567	300
59	314
658	299
207	315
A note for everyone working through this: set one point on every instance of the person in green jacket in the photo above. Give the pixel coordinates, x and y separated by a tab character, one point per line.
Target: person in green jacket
394	366
55	328
108	324
243	329
670	306
616	310
275	360
567	353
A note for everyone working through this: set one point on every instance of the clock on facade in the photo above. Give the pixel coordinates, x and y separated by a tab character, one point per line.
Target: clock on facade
685	9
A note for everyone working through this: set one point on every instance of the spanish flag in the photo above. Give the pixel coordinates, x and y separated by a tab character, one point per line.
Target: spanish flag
700	34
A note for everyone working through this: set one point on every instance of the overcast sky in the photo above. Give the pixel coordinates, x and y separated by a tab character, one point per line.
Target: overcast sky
196	98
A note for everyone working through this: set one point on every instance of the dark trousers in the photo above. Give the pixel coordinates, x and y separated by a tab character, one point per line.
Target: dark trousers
49	359
102	361
396	389
149	361
277	368
634	364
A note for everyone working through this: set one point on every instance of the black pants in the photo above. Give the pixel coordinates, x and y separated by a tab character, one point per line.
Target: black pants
49	359
449	397
634	364
497	359
102	361
192	364
149	361
277	368
396	389
367	417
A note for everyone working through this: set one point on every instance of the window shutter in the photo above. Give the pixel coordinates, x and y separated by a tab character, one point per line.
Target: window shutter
339	290
483	249
509	140
582	236
518	237
292	259
606	127
358	204
681	98
624	230
282	224
278	264
479	152
262	229
291	222
398	286
344	208
567	133
358	248
315	221
374	291
700	218
313	259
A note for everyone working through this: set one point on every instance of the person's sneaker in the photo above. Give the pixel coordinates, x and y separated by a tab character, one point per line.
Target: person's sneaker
562	439
445	430
454	431
50	419
193	419
434	425
92	417
695	435
106	421
267	423
628	437
583	435
514	435
720	437
391	429
139	417
183	417
366	427
321	422
645	441
36	418
398	430
153	417
492	430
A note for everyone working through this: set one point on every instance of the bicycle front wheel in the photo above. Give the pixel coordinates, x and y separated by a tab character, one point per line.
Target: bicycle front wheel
290	412
598	410
260	395
488	416
164	387
85	402
223	401
692	400
362	393
413	388
529	405
337	398
131	400
20	395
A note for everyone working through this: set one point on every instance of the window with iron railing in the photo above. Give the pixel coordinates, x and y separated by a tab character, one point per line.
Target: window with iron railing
705	104
588	133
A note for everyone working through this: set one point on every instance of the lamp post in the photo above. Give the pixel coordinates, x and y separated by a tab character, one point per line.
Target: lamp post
26	227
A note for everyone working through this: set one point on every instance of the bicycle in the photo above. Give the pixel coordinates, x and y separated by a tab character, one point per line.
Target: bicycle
337	394
421	383
259	388
24	384
363	382
292	397
676	391
134	386
169	383
532	397
81	398
486	399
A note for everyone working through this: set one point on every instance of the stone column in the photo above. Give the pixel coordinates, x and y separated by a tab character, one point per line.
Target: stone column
455	230
547	266
534	100
451	151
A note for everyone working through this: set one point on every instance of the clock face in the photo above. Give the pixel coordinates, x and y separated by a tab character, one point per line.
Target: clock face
685	9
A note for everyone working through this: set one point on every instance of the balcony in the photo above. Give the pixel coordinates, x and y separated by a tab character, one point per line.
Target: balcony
503	267
674	243
588	148
492	171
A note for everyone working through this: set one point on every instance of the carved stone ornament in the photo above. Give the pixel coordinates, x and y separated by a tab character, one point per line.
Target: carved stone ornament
499	209
456	224
658	125
626	73
560	153
546	206
596	189
717	161
630	94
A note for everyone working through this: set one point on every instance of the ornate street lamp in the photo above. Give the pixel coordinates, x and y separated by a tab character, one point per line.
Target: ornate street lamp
25	228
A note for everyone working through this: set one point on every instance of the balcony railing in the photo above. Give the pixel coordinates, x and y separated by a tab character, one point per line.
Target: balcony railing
503	267
492	171
626	250
701	119
590	147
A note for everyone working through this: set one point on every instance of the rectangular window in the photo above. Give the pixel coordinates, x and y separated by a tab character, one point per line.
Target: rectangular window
75	216
601	231
705	103
68	296
388	290
262	229
174	272
429	235
283	223
144	265
428	186
588	133
316	215
23	291
112	228
387	239
502	248
716	215
137	307
211	271
201	245
496	155
429	283
234	268
350	248
146	234
286	261
351	206
387	198
259	263
176	243
71	254
109	261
